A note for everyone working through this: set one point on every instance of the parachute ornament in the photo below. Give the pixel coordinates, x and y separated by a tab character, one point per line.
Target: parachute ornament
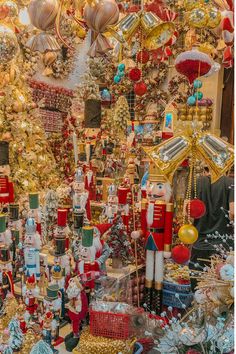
193	64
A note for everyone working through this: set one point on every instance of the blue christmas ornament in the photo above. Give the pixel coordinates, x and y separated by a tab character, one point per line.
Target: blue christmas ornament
197	84
121	67
198	95
105	94
117	79
191	101
120	73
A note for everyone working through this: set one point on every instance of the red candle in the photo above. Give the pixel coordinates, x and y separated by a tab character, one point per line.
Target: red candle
61	217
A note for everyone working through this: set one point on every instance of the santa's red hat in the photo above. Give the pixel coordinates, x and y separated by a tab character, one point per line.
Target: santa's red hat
102	228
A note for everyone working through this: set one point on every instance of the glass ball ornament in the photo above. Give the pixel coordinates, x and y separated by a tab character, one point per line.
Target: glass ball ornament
198	18
135	74
191	101
180	254
197	84
214	17
188	234
197	208
198	95
117	79
121	67
105	95
8	44
140	88
121	73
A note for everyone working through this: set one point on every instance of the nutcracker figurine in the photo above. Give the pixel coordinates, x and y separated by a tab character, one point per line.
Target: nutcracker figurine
6	280
5	233
81	199
156	224
30	294
52	302
48	329
90	183
87	267
77	311
6	187
32	245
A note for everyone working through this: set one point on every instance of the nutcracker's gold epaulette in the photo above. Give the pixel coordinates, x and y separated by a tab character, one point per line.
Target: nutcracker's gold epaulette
160	202
144	203
169	207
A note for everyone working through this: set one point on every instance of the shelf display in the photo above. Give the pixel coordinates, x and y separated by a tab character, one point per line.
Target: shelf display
116	188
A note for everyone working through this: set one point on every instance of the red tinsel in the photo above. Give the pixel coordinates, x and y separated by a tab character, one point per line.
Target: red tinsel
135	74
140	88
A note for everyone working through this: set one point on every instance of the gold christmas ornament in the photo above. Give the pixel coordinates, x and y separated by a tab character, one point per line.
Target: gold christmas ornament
158	32
191	4
43	16
8	44
214	17
218	154
198	17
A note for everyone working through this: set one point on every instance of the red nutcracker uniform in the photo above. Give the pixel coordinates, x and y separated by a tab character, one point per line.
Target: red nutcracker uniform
6	190
156	224
88	271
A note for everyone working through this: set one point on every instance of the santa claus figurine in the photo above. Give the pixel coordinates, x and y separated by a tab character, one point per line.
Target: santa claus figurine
6	186
6	281
30	292
77	311
90	183
156	223
32	246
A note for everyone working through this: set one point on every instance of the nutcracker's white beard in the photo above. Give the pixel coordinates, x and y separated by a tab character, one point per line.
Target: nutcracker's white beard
72	291
55	304
97	243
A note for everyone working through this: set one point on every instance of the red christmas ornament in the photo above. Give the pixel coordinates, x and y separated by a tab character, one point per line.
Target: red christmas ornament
197	208
140	88
180	254
135	74
143	56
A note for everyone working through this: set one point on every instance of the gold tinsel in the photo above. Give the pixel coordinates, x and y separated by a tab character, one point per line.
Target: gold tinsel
101	345
30	338
32	163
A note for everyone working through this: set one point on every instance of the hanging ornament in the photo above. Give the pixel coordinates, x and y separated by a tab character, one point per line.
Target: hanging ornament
198	18
193	64
198	95
120	73
180	254
8	44
98	17
188	234
140	88
197	84
197	208
214	17
143	56
105	95
135	74
43	16
191	101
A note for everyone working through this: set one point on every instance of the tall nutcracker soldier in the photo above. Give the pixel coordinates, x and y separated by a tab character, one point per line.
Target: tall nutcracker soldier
156	224
6	186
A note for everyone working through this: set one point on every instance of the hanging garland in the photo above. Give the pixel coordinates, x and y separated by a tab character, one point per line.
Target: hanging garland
174	88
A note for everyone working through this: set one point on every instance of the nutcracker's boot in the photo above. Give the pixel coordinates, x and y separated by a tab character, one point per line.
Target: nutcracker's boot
157	300
148	297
